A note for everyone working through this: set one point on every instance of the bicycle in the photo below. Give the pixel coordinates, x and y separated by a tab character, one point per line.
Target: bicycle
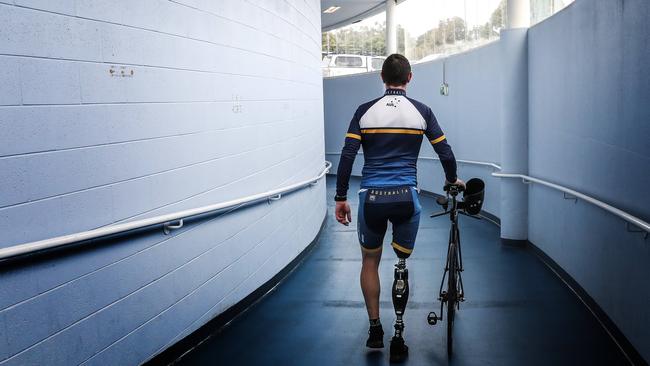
455	293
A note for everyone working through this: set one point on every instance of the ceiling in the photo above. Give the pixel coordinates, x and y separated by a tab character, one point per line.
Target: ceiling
350	11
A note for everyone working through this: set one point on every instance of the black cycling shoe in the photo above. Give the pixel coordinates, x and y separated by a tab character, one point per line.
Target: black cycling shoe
398	350
375	337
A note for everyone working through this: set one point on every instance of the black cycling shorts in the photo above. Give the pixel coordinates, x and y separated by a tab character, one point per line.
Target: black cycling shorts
377	206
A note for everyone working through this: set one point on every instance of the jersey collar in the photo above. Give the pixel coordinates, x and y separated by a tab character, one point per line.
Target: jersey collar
391	91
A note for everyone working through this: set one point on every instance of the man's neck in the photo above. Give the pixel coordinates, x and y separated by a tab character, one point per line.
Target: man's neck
395	90
397	87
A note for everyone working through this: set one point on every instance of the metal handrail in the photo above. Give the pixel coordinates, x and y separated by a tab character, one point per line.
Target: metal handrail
166	220
471	162
620	213
527	179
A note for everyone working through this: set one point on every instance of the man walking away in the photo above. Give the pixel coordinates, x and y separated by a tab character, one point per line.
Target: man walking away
390	129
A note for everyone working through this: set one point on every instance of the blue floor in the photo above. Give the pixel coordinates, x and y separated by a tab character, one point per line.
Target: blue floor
516	311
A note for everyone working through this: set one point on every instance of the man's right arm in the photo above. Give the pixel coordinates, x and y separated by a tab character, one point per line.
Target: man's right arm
349	152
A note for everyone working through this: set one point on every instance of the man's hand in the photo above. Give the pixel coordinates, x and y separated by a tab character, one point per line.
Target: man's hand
458	182
343	213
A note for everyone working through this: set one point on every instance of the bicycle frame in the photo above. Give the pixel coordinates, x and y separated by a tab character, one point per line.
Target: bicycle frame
454	244
455	293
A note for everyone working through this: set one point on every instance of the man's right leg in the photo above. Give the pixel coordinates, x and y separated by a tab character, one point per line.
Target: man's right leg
370	287
371	227
370	280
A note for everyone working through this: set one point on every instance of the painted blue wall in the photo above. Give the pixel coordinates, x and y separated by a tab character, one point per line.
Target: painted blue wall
589	121
588	116
219	100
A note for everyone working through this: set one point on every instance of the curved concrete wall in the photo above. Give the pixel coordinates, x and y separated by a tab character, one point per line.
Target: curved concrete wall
117	110
588	111
589	130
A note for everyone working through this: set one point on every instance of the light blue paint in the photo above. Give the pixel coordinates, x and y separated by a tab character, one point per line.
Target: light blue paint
225	101
589	112
514	132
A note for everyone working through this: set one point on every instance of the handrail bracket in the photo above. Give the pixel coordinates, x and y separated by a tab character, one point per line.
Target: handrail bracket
277	197
169	226
635	229
570	197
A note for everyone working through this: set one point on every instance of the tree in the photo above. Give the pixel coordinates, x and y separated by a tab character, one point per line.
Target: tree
364	40
371	40
498	19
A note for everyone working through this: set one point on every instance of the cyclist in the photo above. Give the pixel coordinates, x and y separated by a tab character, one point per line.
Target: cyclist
390	129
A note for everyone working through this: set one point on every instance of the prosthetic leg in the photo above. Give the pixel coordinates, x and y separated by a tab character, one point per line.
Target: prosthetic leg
399	350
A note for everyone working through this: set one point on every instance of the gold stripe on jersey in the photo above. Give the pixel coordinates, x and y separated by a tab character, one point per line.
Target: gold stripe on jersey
393	130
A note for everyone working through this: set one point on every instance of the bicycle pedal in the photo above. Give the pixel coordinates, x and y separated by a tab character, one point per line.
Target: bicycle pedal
432	318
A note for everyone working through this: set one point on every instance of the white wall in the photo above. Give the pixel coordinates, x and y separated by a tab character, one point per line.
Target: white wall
221	99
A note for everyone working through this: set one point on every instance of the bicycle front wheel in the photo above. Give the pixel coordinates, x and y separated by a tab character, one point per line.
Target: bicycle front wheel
452	296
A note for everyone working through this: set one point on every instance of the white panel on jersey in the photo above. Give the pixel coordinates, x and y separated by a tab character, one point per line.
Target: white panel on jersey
394	111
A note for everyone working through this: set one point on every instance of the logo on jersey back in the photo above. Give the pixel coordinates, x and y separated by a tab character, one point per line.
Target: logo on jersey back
393	102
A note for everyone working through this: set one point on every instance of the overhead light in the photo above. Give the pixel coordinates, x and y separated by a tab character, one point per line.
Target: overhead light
331	9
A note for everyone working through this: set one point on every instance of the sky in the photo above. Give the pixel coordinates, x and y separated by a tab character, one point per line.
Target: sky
418	16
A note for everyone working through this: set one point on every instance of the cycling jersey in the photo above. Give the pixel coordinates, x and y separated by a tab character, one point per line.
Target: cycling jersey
390	129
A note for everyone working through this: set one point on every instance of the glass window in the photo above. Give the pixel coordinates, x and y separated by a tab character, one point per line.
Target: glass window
377	63
430	29
348	61
352	47
366	37
426	30
542	9
326	61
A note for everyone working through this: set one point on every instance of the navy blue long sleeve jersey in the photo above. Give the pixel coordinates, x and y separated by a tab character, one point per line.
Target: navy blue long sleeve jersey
390	129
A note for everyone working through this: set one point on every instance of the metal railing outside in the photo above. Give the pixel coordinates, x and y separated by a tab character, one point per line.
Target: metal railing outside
169	221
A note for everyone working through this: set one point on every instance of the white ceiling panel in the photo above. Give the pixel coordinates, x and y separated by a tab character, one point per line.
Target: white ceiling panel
350	11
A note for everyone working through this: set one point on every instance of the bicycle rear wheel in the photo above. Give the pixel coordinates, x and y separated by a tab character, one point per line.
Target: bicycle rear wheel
452	295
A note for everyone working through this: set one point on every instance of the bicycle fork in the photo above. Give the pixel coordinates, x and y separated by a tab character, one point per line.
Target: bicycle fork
443	296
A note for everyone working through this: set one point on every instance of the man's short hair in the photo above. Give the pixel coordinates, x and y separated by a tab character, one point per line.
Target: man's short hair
396	70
